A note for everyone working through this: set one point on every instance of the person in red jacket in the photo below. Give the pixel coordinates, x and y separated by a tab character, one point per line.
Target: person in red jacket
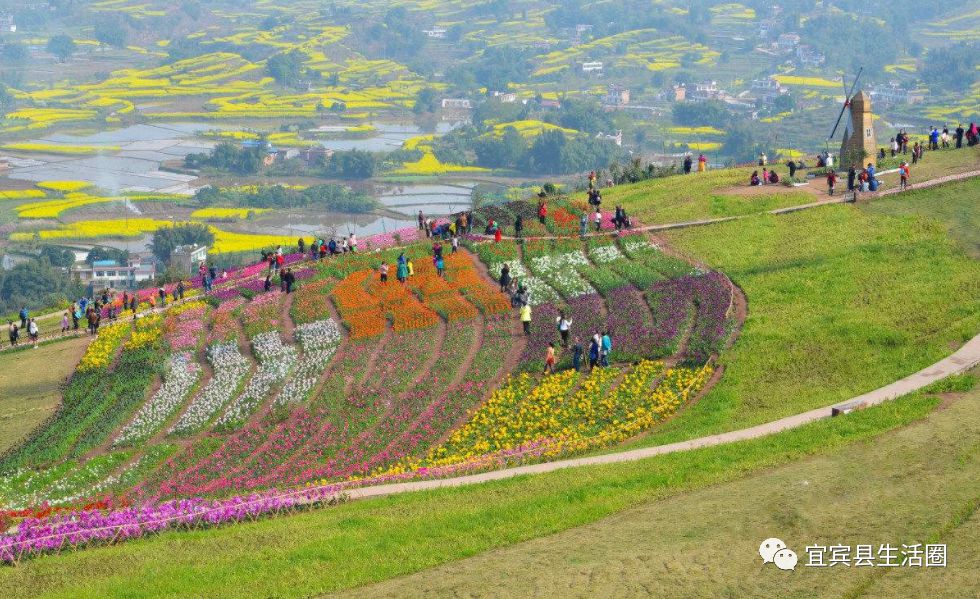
831	181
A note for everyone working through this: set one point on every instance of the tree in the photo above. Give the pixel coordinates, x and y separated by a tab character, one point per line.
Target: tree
285	68
58	256
951	67
353	164
167	238
107	253
741	143
111	32
62	47
584	115
505	151
14	52
545	153
697	114
227	156
426	101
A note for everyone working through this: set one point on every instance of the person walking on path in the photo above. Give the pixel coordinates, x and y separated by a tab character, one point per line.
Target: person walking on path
564	328
33	332
542	209
383	270
24	315
290	280
12	333
64	324
605	349
518	226
584	225
76	315
577	356
497	235
594	352
504	278
133	304
411	268
549	359
831	181
441	267
267	285
598	220
905	173
421	221
526	319
454	245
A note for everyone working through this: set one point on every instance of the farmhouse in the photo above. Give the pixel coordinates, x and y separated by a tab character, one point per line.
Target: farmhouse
594	66
893	93
110	273
767	90
456	104
616	95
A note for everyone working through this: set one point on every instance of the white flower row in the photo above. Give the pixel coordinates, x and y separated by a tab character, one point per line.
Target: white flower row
305	377
538	291
635	243
181	376
318	335
276	361
70	487
560	271
605	254
230	367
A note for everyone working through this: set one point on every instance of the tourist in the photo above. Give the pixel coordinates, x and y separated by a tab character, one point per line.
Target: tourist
267	285
497	235
518	226
894	147
290	279
526	318
12	333
592	178
322	250
934	139
959	136
454	245
180	289
763	159
64	324
945	137
597	217
687	164
702	163
773	177
278	250
132	305
792	168
851	175
301	245
410	267
564	328
464	222
605	350
440	267
904	174
584	225
421	221
163	296
831	181
280	260
754	179
401	272
24	315
436	250
594	351
542	209
972	135
915	153
383	269
577	356
353	242
765	176
549	359
32	332
344	246
881	154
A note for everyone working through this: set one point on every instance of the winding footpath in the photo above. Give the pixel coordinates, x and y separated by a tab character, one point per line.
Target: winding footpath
962	360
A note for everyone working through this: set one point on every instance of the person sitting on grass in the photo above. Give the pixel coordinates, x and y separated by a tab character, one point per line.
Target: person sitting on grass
773	177
754	180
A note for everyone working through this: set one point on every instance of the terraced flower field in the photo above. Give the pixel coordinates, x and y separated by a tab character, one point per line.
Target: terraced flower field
351	379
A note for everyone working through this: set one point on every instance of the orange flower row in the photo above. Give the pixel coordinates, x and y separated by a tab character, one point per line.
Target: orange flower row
454	307
409	316
366	323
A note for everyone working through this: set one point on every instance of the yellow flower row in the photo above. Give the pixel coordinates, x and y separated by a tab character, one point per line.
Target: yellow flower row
99	353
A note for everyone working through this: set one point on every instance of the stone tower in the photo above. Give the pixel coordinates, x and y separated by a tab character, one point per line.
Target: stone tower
859	146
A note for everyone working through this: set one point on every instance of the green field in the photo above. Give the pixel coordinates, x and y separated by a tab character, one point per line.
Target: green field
30	385
842	300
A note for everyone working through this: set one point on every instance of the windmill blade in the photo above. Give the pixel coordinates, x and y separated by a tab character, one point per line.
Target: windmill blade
847	102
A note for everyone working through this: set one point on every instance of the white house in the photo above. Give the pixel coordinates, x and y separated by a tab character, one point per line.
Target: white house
456	104
438	33
594	66
110	273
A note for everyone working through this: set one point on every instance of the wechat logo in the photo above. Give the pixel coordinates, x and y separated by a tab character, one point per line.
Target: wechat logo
775	551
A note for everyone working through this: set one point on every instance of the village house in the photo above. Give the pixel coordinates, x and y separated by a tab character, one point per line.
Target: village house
110	273
616	95
315	155
786	42
807	56
616	139
188	258
456	104
594	66
704	91
893	93
437	33
767	90
504	97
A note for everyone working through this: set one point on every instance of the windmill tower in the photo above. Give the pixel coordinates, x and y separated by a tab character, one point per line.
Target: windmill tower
859	146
